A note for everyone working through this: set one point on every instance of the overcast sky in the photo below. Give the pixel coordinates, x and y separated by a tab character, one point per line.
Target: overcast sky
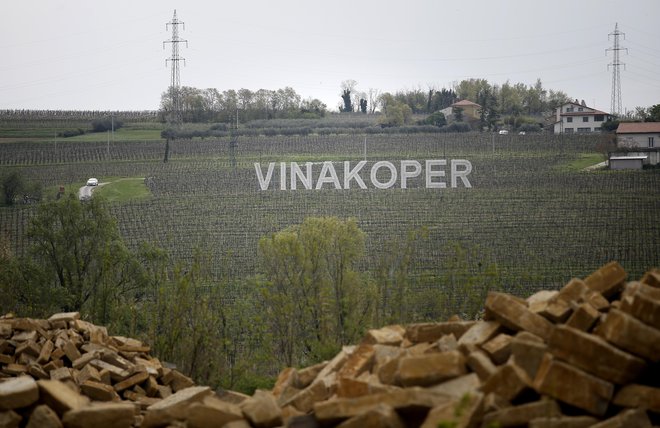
82	54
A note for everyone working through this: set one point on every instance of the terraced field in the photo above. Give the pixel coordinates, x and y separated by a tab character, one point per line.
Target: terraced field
528	210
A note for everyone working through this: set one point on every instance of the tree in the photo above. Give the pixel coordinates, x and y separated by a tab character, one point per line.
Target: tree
314	299
12	185
363	105
347	87
653	114
396	114
436	119
83	259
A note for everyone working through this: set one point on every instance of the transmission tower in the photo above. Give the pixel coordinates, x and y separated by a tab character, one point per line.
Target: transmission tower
616	74
175	114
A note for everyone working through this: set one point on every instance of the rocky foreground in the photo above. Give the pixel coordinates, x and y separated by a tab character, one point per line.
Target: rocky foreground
587	355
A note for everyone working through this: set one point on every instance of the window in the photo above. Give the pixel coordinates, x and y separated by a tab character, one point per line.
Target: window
599	118
568	130
569	109
651	142
569	119
580	109
585	118
583	130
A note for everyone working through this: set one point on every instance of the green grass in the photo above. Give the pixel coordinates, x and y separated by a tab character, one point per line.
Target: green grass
123	189
583	161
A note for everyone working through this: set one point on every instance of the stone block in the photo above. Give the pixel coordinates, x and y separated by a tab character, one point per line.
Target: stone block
636	418
481	364
262	410
498	348
136	379
638	396
9	419
304	377
446	343
212	412
630	334
430	369
43	417
465	412
652	278
523	414
380	416
594	355
174	407
18	392
409	399
177	380
60	397
389	335
573	386
359	361
98	391
644	305
458	387
583	317
514	315
528	351
608	280
577	291
101	415
430	332
508	382
563	422
480	332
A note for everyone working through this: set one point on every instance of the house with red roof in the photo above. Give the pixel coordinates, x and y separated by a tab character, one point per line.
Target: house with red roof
576	117
471	110
635	140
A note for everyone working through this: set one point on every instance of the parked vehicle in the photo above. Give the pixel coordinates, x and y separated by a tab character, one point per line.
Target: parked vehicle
93	182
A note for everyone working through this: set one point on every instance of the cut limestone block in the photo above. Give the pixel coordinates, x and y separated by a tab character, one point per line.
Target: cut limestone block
174	407
573	386
480	332
43	417
18	392
594	355
514	315
59	397
101	415
577	291
652	278
607	280
628	418
638	396
262	410
522	415
380	416
98	391
431	369
409	399
460	386
528	351
212	412
461	413
498	348
509	381
389	335
481	364
644	305
630	334
583	317
430	332
304	377
360	360
563	422
9	419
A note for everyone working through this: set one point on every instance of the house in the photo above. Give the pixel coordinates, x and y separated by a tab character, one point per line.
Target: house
644	134
639	139
576	117
471	110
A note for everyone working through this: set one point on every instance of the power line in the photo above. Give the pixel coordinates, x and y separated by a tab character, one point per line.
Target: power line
175	83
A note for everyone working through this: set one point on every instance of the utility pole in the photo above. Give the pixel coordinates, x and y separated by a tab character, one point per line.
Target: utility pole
175	115
615	108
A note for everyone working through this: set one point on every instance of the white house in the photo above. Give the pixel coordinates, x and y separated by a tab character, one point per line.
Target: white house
576	117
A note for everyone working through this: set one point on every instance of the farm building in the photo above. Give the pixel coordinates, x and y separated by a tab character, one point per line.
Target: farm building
576	117
639	139
627	162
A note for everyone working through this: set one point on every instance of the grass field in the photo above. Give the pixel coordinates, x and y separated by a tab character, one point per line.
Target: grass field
532	209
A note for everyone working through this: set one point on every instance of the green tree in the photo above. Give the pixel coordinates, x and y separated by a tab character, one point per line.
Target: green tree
396	114
12	185
314	299
435	119
653	114
83	258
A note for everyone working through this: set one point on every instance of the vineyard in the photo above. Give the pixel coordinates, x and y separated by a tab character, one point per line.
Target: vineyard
538	220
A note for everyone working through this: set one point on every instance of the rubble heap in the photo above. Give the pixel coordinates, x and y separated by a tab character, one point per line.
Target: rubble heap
586	355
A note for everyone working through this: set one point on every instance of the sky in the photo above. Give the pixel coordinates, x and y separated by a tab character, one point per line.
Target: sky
90	55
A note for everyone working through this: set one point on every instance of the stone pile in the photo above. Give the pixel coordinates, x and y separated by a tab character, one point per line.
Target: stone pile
585	355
